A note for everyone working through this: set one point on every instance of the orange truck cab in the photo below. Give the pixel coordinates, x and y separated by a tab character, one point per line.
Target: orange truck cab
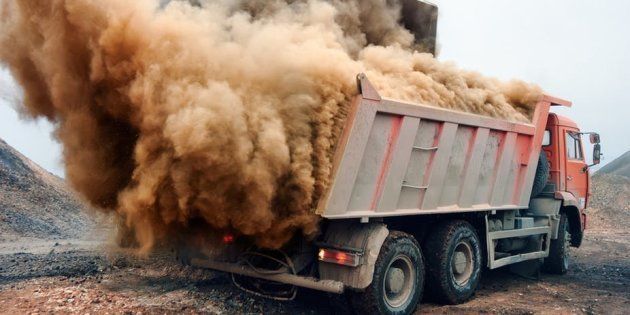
569	178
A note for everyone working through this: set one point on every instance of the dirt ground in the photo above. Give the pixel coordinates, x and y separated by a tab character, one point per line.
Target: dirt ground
88	276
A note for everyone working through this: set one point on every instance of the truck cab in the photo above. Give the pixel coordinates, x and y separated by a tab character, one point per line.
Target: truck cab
569	177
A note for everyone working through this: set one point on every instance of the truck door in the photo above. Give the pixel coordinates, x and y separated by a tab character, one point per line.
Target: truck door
576	168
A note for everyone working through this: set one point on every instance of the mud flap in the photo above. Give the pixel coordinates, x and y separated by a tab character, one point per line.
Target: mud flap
363	239
529	269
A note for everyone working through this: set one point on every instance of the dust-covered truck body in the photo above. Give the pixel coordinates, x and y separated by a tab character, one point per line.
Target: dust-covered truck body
422	194
399	159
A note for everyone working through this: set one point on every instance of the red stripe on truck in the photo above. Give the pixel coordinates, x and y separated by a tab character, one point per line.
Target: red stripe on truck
394	132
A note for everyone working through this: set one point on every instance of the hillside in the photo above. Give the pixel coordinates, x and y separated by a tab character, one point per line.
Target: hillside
610	202
620	166
35	203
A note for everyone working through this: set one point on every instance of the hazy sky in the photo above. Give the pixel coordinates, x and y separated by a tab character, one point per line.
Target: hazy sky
575	49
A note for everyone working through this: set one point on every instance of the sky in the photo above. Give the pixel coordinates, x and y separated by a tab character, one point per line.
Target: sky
577	50
33	138
574	49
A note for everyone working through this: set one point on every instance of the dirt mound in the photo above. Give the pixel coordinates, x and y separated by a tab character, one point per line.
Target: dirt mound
620	166
610	202
35	203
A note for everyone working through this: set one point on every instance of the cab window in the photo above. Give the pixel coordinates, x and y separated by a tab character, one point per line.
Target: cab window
574	149
546	138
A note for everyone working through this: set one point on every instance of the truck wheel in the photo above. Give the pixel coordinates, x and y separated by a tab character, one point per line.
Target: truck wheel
453	254
558	260
398	281
542	175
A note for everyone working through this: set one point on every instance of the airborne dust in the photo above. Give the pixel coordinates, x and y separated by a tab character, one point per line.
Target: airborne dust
189	122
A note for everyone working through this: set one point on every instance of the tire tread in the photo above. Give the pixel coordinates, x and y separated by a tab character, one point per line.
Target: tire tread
438	264
554	264
367	302
542	175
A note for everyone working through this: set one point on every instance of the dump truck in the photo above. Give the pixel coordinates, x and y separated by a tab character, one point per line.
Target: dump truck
423	198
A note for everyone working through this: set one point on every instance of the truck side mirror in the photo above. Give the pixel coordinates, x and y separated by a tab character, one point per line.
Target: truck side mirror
597	154
594	137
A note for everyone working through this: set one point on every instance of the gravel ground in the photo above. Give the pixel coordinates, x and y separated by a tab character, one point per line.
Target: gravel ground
81	277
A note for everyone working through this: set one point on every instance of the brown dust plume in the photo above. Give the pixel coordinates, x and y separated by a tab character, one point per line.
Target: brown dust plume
219	117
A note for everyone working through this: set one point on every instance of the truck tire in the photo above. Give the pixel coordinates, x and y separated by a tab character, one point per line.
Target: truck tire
398	281
542	175
558	260
453	253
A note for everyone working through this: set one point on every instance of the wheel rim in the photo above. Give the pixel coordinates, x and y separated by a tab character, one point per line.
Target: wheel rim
399	281
462	263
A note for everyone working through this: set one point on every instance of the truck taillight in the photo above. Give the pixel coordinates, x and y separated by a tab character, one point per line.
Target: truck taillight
338	257
228	239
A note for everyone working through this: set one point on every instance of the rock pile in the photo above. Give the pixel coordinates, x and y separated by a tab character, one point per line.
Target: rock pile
610	202
620	166
35	203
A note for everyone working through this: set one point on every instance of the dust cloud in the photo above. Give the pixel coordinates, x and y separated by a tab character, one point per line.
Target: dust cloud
191	121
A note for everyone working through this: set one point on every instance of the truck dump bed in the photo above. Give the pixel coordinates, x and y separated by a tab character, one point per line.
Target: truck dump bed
397	159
